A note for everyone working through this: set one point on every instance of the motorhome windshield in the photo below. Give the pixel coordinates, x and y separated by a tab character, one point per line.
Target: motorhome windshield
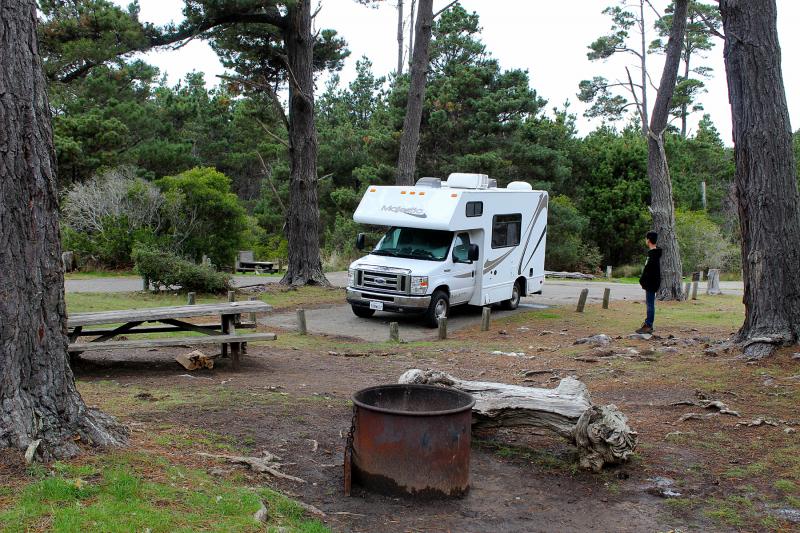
414	243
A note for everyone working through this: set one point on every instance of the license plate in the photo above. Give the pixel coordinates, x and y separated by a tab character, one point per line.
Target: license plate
378	306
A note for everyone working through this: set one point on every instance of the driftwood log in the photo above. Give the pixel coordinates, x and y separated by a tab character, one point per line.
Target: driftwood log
568	275
600	433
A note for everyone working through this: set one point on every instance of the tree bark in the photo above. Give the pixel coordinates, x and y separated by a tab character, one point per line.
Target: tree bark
409	141
661	204
302	218
37	389
643	58
400	36
765	178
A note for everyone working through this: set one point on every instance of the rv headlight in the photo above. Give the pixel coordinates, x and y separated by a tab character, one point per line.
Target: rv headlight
351	277
419	284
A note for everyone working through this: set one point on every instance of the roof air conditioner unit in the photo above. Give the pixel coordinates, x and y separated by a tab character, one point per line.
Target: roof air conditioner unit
468	181
519	186
434	183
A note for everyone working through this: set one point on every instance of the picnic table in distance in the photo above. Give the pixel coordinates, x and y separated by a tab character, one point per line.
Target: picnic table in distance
223	333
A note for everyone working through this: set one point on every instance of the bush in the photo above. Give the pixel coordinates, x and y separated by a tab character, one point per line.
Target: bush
566	250
166	269
702	244
205	217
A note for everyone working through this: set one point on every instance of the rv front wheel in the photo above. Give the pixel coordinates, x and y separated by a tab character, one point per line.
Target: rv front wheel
439	307
363	312
513	303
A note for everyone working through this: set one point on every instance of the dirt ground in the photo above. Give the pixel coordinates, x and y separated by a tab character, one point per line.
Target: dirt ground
291	398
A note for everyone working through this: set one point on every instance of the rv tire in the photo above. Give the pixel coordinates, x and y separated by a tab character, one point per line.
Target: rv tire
439	306
363	312
516	294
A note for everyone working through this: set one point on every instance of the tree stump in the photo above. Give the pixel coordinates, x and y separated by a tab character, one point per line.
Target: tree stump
601	433
712	287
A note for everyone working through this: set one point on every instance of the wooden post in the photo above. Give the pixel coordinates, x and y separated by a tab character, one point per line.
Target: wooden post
608	271
145	284
694	290
703	193
712	287
686	290
190	298
231	296
394	331
442	328
486	317
253	317
301	322
582	300
606	297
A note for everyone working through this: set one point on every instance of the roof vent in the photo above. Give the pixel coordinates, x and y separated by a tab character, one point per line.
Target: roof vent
492	183
434	183
468	181
519	186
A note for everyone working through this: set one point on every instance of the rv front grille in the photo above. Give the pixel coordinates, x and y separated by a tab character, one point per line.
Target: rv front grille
382	281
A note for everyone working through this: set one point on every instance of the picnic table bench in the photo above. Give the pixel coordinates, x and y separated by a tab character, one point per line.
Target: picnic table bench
245	262
170	318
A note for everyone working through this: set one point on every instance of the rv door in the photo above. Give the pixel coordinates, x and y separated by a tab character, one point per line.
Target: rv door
463	272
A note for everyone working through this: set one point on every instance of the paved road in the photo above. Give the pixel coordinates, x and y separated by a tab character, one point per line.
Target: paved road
339	320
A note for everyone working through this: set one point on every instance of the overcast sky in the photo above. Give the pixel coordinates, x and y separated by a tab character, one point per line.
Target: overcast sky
549	39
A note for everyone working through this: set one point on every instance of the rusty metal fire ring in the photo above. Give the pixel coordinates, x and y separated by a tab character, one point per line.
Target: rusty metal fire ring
398	428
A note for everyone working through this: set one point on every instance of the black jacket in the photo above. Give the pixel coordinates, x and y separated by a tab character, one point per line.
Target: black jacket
651	275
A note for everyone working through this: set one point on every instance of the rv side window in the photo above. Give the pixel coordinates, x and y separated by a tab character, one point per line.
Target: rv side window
474	209
506	230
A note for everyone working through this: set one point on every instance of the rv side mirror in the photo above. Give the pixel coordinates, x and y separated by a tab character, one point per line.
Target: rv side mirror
472	255
360	241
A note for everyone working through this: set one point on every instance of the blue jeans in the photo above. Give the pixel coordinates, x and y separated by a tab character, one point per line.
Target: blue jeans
650	300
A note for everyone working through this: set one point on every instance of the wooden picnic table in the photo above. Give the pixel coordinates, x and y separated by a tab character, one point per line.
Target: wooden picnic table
131	321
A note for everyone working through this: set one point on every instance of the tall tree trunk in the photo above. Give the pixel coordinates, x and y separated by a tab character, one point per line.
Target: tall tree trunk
661	204
411	27
685	107
409	142
765	179
302	218
400	36
643	57
37	389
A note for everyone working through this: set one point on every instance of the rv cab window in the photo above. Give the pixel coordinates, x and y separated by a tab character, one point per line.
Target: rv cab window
506	230
461	248
415	243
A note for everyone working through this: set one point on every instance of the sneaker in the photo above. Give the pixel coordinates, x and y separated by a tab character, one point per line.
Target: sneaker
645	330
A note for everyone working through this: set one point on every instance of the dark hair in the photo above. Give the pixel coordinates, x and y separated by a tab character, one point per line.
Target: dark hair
652	236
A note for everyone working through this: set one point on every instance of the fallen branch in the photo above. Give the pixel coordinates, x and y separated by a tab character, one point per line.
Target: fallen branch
600	433
257	464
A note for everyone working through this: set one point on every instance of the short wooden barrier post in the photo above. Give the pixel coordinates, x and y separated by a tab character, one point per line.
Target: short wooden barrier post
694	290
582	300
301	321
442	328
394	331
486	318
712	287
606	297
686	289
253	318
231	296
608	271
190	298
145	284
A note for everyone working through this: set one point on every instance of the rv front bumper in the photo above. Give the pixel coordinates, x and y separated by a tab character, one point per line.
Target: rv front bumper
391	302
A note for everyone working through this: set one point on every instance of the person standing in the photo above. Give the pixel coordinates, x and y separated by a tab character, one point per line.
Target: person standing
651	280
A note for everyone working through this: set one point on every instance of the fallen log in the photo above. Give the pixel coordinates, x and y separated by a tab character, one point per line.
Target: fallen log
600	433
568	275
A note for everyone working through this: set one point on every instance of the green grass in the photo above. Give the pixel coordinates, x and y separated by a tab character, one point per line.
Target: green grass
127	492
82	302
94	274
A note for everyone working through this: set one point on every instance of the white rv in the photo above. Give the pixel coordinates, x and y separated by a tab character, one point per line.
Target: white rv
460	241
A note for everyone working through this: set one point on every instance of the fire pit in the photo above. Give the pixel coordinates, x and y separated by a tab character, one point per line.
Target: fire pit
410	439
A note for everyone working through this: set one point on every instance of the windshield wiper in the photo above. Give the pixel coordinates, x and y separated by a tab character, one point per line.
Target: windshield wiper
383	252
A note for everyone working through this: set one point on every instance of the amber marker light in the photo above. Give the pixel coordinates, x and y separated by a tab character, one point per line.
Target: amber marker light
412	192
454	195
402	192
373	190
422	194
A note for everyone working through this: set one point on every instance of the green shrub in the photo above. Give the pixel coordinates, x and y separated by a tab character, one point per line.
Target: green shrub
166	269
702	244
566	249
205	217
